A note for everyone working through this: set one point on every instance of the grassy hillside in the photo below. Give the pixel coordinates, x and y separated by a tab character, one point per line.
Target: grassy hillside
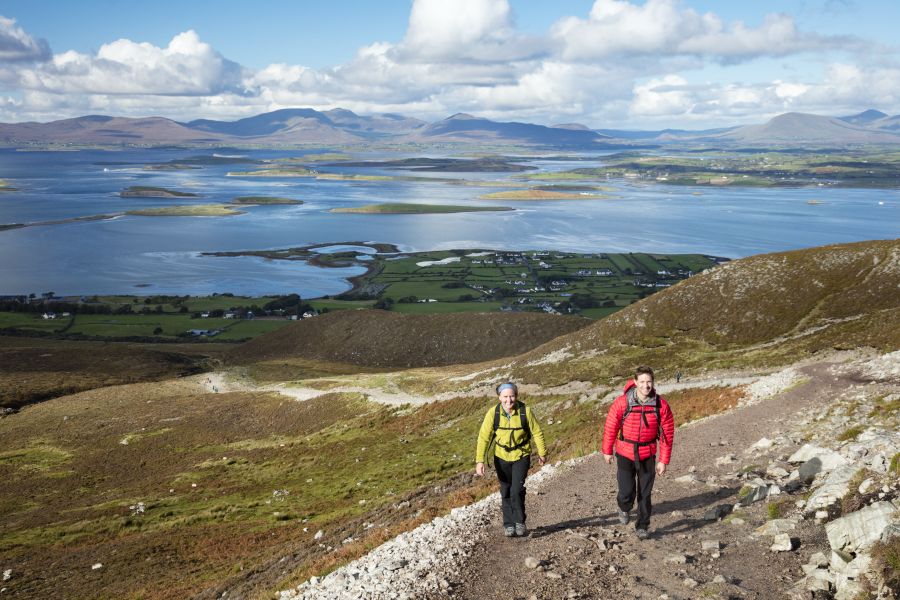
764	310
179	492
387	340
34	369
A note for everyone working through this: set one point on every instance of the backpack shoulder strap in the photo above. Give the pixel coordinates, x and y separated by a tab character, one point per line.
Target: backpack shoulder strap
523	417
496	418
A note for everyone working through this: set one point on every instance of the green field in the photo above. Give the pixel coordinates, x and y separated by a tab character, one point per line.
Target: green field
861	168
591	285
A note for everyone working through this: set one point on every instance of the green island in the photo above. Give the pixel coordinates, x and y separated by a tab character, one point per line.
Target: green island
400	208
875	169
197	210
147	191
541	194
264	200
275	172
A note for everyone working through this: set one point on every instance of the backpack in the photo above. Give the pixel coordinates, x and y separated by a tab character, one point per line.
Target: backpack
523	418
629	407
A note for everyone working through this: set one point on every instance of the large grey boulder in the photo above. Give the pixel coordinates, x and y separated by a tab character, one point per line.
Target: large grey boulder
857	531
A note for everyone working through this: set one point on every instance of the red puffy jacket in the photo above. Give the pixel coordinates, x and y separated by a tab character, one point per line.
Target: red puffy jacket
640	426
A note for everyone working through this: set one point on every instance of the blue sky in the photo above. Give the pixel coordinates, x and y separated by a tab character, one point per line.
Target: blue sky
608	63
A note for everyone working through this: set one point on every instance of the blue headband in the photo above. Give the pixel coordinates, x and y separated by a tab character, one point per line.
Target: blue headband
507	386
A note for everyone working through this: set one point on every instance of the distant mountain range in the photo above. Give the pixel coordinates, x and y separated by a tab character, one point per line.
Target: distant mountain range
338	126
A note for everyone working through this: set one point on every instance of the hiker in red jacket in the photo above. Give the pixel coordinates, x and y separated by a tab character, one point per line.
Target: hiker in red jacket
637	422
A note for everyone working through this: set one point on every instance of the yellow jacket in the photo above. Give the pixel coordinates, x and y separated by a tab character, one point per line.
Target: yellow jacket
510	434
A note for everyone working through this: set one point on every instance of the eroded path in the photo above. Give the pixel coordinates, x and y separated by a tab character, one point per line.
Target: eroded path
573	522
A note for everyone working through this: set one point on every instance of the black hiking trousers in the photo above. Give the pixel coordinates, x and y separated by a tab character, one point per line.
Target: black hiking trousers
512	488
636	481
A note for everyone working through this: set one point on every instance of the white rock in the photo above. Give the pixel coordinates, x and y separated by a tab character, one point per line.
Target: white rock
776	526
318	535
676	559
7	574
690	583
829	459
833	489
782	543
866	485
96	566
776	471
860	529
532	563
763	444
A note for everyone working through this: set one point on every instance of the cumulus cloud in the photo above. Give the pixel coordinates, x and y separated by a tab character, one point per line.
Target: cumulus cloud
620	28
186	67
624	64
18	46
462	30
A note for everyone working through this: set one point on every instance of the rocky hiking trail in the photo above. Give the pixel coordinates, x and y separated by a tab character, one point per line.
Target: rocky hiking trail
577	549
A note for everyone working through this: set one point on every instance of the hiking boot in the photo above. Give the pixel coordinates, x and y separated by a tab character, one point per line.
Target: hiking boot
509	531
623	517
642	534
521	530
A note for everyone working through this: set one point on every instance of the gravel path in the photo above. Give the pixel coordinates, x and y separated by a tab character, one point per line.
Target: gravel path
575	541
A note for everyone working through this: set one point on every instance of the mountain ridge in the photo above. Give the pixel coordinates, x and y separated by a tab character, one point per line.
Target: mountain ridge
299	126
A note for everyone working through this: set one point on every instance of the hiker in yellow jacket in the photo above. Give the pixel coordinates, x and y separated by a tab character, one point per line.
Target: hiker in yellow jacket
512	453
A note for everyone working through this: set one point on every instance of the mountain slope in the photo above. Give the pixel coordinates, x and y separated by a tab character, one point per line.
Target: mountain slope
99	129
375	338
763	310
801	128
462	127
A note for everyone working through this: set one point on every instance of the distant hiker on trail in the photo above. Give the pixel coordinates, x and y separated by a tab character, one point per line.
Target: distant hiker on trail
677	376
636	421
512	436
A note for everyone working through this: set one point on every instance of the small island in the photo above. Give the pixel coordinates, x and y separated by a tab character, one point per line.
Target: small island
198	210
5	187
400	208
540	194
146	191
276	172
264	200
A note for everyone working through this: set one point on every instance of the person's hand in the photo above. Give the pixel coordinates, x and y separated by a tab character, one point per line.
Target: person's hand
479	469
608	458
660	468
542	460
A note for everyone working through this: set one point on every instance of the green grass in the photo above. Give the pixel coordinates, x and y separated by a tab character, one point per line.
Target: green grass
851	433
30	321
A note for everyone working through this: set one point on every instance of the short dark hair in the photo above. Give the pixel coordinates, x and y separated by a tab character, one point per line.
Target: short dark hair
505	384
644	370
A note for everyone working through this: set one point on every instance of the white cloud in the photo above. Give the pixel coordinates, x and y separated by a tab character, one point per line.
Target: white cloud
664	96
662	27
18	46
463	30
186	67
625	64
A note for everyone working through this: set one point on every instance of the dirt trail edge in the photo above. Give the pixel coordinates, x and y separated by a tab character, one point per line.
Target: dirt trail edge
584	553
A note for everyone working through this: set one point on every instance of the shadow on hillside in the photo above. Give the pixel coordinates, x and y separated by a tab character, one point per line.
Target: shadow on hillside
697	502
